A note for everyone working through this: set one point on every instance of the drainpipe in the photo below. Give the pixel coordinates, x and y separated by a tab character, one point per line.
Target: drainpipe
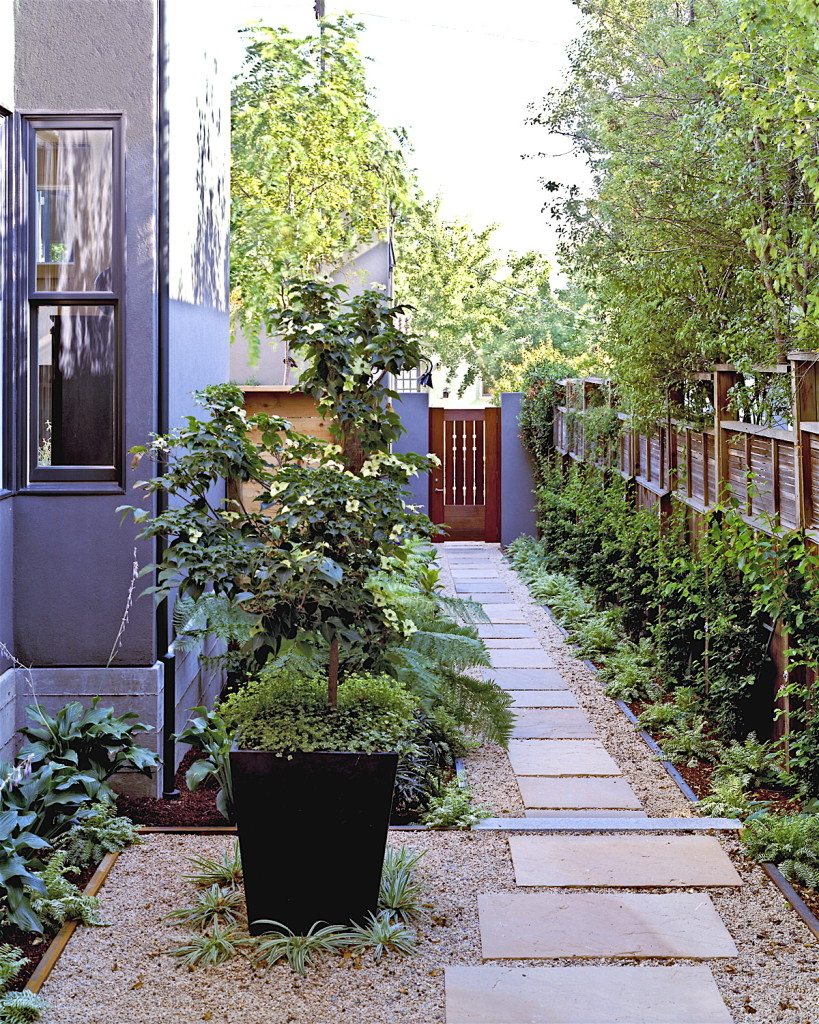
163	632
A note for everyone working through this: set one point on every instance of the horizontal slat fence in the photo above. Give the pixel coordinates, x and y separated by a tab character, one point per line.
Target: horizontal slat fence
771	472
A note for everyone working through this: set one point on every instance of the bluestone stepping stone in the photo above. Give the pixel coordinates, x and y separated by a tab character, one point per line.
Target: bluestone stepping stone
493	631
473	573
600	795
621	861
543	925
527	678
542	698
561	757
531	658
514	643
489	598
552	724
579	814
485	586
583	995
503	612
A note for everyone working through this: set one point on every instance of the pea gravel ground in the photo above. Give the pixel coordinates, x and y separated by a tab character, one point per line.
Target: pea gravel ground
125	973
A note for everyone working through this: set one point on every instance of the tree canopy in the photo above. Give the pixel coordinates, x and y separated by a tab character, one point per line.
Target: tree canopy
699	240
314	173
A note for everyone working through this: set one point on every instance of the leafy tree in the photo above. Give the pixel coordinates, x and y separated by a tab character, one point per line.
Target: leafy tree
314	174
698	122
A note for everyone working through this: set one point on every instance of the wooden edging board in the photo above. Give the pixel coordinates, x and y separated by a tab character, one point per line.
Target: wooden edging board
60	940
771	870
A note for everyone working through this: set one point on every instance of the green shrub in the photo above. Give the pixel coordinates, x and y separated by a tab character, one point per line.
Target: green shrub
790	841
284	714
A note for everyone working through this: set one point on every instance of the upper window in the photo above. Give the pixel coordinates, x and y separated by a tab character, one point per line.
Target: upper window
75	245
73	215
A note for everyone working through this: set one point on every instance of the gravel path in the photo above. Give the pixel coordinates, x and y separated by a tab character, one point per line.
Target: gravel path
125	972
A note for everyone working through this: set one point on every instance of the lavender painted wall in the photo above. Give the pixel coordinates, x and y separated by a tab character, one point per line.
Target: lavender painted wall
414	412
517	478
72	559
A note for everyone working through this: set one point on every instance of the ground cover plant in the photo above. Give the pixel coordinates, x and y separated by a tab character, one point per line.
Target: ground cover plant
57	821
219	925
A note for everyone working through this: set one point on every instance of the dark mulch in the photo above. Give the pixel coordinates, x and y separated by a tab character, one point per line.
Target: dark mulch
191	809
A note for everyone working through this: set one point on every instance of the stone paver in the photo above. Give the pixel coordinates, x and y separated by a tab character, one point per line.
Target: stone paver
583	995
522	659
472	573
552	724
542	698
490	598
527	678
485	586
577	793
499	613
545	925
561	757
621	861
580	813
512	643
495	631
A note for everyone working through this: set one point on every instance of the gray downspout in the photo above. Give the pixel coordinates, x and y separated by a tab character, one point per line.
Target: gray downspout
163	632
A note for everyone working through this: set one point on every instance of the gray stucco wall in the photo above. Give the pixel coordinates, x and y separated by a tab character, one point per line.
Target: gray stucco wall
414	412
517	479
73	558
7	54
372	265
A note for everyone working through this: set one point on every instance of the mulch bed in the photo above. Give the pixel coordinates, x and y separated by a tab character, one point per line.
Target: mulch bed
191	809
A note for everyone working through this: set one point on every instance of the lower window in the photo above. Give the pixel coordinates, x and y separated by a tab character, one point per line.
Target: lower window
75	387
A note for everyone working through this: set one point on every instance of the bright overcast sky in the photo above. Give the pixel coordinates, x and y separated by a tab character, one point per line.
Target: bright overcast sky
458	75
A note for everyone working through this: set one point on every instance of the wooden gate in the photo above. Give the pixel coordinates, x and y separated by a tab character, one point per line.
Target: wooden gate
465	488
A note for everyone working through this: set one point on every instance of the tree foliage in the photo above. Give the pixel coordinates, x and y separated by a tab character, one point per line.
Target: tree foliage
699	124
314	173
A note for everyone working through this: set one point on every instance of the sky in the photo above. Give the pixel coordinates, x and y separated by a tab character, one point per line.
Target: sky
459	75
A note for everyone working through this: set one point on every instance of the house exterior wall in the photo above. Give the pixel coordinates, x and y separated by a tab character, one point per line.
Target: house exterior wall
66	561
73	560
197	101
7	54
413	408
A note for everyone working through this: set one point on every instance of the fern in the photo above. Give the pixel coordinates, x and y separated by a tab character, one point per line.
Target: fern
454	808
791	841
98	833
754	762
727	799
629	672
214	617
21	1007
63	901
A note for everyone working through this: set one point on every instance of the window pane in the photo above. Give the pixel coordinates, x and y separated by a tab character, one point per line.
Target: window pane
75	385
73	213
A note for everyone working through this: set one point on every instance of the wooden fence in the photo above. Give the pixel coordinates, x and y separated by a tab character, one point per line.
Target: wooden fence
772	471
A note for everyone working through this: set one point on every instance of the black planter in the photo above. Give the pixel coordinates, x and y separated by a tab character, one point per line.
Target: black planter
312	833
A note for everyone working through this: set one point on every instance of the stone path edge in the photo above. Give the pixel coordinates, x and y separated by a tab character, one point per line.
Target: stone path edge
604	824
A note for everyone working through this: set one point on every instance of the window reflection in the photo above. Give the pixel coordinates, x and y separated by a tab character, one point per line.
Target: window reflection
73	210
75	385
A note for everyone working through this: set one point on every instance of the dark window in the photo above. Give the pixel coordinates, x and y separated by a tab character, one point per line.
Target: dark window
75	288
